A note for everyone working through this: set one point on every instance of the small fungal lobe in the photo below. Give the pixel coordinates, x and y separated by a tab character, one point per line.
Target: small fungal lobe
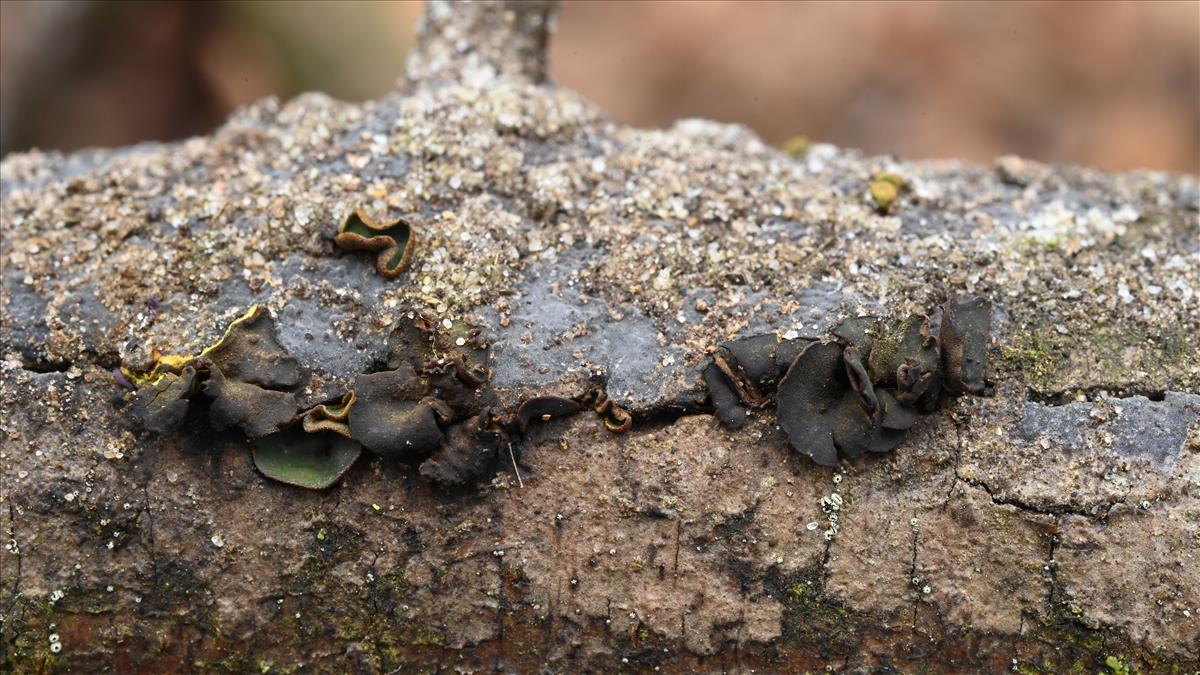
394	241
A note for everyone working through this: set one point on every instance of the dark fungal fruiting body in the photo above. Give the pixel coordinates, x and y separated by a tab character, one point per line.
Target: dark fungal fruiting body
241	374
616	419
906	355
162	406
393	416
392	241
966	323
433	405
828	405
466	452
744	374
244	377
330	416
256	411
250	352
858	390
308	460
543	409
815	386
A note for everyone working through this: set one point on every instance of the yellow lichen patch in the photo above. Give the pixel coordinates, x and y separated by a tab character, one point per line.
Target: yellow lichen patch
173	363
796	146
884	188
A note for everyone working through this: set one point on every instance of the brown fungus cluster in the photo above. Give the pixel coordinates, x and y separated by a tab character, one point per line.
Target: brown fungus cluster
246	376
431	407
859	389
247	380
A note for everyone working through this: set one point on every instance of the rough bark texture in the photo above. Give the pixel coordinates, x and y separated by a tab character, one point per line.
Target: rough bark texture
1051	526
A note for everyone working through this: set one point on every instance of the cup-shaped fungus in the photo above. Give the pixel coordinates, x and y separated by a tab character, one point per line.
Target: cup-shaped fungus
393	241
330	416
816	400
616	419
256	411
393	416
161	406
543	409
250	352
906	356
464	455
860	391
965	331
745	372
309	460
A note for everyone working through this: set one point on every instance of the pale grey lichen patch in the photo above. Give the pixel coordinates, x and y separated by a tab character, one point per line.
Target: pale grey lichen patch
643	373
1058	425
27	336
1153	430
1133	427
556	335
308	331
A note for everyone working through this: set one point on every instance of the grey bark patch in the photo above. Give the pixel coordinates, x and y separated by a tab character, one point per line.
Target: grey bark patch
1152	430
820	304
27	331
307	331
641	373
1061	425
231	294
342	272
309	328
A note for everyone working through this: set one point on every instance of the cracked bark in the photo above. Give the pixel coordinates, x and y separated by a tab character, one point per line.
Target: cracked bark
384	573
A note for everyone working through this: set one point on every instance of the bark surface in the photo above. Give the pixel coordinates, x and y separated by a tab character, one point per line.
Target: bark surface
1051	526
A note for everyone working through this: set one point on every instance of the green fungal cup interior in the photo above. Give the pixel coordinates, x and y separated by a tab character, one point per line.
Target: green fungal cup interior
393	241
315	461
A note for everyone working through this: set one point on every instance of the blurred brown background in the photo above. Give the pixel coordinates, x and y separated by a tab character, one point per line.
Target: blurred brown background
1114	85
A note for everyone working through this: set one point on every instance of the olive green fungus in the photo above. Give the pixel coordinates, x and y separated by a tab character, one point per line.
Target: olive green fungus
250	352
253	409
743	374
465	454
543	409
856	390
616	419
393	241
394	416
308	460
